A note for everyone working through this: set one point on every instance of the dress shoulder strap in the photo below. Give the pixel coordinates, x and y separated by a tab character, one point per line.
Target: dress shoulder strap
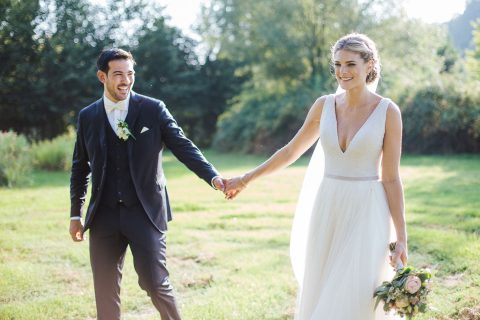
384	104
328	102
382	112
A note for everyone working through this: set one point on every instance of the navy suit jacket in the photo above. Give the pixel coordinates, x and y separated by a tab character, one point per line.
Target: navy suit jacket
144	153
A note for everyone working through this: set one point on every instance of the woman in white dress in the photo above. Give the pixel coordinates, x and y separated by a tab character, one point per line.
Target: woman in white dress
351	193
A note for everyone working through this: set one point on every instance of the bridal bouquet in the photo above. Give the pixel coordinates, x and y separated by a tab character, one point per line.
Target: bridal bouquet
407	293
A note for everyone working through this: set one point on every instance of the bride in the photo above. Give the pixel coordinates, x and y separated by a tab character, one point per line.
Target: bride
351	193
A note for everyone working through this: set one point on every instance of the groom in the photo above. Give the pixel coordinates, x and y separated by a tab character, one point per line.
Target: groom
120	140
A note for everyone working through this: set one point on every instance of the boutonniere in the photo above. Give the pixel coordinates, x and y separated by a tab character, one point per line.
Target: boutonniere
123	132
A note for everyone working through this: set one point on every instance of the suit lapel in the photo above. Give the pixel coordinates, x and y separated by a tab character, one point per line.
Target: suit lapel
131	119
101	118
133	111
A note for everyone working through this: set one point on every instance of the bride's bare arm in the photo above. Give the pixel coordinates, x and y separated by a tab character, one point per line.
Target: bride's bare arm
391	180
304	139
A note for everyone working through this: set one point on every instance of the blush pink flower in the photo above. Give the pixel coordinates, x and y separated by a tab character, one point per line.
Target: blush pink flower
413	284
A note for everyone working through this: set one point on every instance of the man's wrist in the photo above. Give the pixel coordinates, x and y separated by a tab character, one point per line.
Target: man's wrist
75	218
212	182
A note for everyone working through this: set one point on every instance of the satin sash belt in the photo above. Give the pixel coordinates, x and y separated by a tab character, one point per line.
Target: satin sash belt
334	176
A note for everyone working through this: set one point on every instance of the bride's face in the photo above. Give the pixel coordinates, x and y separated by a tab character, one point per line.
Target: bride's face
350	69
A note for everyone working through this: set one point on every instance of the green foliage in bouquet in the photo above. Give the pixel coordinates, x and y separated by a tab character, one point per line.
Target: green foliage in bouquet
406	294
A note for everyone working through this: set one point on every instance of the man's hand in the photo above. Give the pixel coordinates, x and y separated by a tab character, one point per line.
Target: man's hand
219	183
234	186
76	230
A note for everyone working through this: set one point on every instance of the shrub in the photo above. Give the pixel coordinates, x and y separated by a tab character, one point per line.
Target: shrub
15	160
436	119
55	154
262	123
441	120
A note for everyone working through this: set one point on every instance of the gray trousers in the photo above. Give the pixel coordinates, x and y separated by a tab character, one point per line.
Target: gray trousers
112	231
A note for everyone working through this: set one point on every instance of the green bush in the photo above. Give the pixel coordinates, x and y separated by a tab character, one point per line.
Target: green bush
15	160
441	120
261	123
436	119
55	154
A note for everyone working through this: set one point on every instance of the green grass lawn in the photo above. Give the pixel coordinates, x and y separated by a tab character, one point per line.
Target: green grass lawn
229	259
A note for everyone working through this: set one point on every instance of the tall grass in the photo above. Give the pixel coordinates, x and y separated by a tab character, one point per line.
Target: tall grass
54	154
15	160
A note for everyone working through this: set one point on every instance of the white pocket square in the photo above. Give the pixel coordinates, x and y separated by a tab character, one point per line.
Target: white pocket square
144	129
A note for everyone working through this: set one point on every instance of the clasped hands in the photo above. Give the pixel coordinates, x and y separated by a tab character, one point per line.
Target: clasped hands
230	187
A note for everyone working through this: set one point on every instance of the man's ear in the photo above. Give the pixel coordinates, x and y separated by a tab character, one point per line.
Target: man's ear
102	76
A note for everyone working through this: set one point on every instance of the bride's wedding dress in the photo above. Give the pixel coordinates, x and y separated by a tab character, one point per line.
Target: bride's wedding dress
342	227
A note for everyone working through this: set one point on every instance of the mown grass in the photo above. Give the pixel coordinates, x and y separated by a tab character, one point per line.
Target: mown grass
229	259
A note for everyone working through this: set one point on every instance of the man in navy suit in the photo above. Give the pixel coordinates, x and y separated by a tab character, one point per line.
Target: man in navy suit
120	139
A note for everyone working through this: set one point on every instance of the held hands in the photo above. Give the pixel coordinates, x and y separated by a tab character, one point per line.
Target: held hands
234	186
230	187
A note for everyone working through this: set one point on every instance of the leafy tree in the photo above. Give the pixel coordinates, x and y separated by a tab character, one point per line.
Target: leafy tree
287	53
290	44
218	85
67	66
168	68
450	57
18	53
48	51
73	35
473	56
413	55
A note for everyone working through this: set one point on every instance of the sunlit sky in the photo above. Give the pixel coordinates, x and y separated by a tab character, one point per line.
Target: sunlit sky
434	10
183	13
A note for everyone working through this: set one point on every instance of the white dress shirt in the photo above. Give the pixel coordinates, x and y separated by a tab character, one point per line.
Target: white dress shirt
116	111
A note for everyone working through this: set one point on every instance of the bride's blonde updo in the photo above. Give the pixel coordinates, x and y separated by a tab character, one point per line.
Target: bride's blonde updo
360	43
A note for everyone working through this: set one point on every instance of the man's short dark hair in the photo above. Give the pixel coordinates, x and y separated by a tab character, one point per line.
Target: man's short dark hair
108	55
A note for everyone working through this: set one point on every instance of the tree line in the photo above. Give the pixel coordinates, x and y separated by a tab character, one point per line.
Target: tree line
262	63
49	48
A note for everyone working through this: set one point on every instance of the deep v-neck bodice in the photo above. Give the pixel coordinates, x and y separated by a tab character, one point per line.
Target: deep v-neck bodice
361	157
358	130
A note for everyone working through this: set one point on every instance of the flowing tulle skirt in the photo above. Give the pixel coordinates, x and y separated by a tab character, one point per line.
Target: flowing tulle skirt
346	254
